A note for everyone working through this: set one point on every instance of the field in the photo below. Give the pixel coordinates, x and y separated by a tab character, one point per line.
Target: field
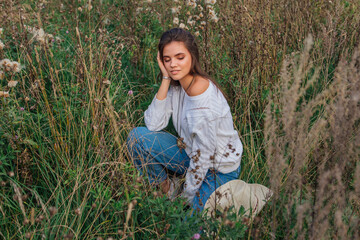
77	76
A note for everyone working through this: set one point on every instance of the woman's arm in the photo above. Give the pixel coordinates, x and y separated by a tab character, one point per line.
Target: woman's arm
164	87
159	111
163	90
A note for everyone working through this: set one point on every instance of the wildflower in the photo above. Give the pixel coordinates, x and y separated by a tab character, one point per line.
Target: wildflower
2	45
53	211
88	7
4	94
106	21
16	67
79	9
2	75
1	31
39	35
211	2
203	23
201	15
138	10
182	25
4	63
175	10
212	13
197	33
190	21
176	21
130	92
107	82
77	211
27	99
196	236
50	36
67	31
12	83
200	8
215	19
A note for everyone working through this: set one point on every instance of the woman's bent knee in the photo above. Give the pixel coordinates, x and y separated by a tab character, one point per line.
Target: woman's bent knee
135	135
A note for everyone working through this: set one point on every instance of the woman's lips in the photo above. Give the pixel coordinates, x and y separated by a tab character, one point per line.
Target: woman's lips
175	72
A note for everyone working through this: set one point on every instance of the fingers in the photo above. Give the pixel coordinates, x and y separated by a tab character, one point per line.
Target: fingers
161	65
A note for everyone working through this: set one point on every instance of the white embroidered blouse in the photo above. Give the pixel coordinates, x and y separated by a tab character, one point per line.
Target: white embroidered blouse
205	123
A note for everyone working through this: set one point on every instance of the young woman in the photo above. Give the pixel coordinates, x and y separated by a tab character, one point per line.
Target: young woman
209	150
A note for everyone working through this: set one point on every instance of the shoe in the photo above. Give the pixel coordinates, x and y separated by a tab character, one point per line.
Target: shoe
175	188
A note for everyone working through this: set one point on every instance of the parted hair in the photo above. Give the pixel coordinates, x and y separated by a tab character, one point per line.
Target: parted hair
181	35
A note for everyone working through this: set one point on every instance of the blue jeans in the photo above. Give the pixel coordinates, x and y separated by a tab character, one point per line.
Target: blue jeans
156	154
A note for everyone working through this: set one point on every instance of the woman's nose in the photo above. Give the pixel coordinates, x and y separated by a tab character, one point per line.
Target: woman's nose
173	63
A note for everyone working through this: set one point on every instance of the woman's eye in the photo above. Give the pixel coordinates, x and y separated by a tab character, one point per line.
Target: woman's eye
168	60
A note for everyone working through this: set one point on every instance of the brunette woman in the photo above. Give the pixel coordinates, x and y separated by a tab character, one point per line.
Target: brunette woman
208	151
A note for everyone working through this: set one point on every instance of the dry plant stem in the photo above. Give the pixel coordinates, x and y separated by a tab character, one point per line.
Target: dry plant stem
110	111
333	130
19	198
128	216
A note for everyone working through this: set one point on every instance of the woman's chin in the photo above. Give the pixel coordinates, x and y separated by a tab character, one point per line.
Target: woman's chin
175	78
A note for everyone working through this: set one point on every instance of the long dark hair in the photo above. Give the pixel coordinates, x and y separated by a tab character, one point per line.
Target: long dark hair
181	35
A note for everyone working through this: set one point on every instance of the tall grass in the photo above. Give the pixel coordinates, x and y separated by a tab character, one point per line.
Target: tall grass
290	70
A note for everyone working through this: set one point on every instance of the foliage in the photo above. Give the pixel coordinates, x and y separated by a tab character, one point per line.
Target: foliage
81	73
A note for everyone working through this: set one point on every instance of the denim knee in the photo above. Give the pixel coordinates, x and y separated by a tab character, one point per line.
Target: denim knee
134	137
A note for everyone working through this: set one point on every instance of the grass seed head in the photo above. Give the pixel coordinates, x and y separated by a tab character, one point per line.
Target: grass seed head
28	235
77	211
53	210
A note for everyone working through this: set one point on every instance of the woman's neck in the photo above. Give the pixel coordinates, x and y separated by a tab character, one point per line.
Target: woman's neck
186	81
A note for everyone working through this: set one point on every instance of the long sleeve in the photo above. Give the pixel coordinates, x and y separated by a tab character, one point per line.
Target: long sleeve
202	129
158	113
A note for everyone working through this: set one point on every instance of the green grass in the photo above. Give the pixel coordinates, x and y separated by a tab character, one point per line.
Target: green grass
64	127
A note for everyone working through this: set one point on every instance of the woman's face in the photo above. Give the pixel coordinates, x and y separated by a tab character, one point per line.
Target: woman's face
177	60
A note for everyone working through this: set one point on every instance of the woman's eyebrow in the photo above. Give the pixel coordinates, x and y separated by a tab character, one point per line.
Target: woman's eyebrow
175	55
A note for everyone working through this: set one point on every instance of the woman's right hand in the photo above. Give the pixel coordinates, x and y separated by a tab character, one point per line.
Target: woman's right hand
161	66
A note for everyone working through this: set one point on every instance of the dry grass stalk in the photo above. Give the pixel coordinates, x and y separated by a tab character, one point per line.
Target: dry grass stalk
323	147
